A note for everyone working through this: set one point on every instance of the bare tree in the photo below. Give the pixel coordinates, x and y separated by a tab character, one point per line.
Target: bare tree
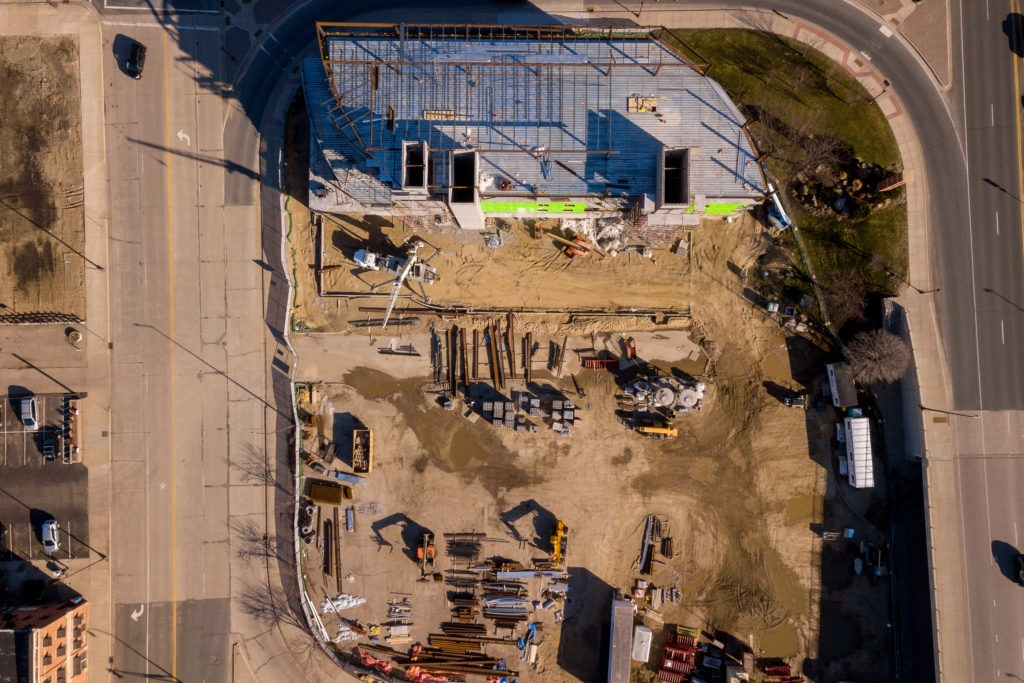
259	602
252	543
844	296
254	467
877	356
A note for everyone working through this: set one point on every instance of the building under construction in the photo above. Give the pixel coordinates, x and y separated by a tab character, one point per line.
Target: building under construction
521	121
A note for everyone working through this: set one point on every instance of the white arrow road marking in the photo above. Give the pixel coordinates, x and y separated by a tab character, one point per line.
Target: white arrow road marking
138	612
183	136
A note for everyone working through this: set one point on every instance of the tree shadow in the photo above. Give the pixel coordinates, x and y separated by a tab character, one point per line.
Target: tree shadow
1005	557
1013	29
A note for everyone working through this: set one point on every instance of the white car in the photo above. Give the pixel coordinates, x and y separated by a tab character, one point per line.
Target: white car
51	536
30	413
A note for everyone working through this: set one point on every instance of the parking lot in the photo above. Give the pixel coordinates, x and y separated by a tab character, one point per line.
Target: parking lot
29	496
21	447
35	487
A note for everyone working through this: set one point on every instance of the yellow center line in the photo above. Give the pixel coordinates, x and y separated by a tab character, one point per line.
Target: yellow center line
170	332
1018	39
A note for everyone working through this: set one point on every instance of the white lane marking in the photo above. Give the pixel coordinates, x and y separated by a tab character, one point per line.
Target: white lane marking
1015	541
987	18
143	24
997	223
1002	331
1022	648
884	30
184	137
149	9
992	112
136	613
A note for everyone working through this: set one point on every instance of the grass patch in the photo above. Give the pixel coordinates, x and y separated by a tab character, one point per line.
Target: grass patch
797	85
796	98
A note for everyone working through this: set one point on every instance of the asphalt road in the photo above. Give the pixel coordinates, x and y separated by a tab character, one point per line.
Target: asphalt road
989	466
188	360
167	246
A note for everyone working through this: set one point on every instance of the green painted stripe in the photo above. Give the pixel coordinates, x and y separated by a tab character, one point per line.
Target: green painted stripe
721	209
533	207
581	207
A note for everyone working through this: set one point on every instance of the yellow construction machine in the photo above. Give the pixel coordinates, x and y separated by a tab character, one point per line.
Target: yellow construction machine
659	432
558	543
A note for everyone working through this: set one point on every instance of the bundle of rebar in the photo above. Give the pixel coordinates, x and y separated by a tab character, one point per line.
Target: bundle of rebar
449	658
461	579
509	613
502	588
451	628
466	549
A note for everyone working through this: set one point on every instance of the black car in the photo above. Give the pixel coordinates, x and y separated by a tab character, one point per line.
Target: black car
136	60
49	446
1018	563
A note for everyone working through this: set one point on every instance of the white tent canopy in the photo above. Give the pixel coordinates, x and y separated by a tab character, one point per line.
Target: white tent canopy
858	452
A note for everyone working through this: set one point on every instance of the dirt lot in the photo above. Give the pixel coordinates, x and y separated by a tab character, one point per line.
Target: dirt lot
41	191
741	489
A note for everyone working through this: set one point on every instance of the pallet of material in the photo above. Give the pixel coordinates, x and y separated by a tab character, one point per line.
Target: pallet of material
677	666
680	654
671	676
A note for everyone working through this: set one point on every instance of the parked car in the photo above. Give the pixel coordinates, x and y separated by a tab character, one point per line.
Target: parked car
51	536
136	60
30	413
49	446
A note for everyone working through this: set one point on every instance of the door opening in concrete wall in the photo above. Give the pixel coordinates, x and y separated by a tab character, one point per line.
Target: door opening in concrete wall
676	176
415	164
463	177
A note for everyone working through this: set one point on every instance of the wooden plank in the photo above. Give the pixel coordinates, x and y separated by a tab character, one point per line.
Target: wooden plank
511	340
496	342
528	358
462	352
453	360
561	356
337	550
476	355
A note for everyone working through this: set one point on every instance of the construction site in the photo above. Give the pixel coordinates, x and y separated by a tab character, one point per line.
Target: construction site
523	435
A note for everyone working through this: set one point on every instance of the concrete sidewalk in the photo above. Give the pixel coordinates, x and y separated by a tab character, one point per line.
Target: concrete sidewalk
89	369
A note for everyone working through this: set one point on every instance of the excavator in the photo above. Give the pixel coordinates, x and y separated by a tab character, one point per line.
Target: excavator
426	553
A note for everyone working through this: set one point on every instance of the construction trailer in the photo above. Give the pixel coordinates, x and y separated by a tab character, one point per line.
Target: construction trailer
859	460
620	648
841	384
